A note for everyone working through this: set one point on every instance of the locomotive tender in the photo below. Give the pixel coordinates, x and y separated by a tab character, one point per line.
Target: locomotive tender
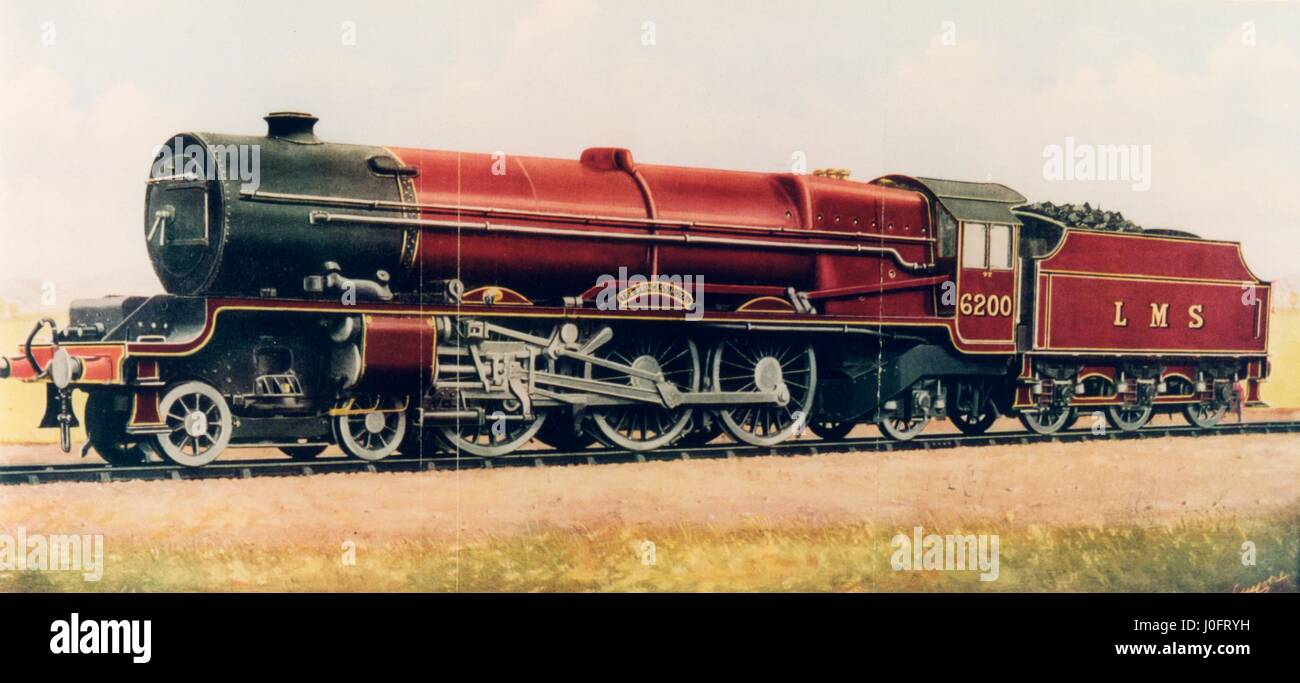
403	300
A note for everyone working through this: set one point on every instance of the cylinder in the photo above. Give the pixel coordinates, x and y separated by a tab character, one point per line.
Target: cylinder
398	354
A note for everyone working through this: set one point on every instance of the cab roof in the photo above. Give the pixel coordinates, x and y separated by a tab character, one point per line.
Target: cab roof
966	201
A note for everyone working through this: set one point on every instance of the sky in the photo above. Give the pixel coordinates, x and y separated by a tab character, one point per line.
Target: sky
965	90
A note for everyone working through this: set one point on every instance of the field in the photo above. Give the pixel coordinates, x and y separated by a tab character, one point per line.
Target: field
1167	515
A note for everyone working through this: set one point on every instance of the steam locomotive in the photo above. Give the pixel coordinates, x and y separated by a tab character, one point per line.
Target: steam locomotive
392	300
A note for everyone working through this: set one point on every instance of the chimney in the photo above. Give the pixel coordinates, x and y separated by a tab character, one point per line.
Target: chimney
292	126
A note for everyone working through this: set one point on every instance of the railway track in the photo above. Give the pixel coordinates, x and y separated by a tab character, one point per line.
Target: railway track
247	469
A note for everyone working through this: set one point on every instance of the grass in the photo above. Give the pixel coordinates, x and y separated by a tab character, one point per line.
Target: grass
1194	555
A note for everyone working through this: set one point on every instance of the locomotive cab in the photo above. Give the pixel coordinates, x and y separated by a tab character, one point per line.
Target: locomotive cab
978	244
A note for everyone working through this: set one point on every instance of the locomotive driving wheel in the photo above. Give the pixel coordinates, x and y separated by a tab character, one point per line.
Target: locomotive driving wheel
786	368
644	427
199	424
371	427
502	430
704	429
559	431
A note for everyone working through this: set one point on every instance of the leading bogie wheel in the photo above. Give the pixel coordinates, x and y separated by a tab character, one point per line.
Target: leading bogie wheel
199	424
371	428
303	452
107	415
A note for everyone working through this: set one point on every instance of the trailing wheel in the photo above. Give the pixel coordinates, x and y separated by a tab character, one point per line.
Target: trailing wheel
107	415
973	410
199	424
371	427
900	428
830	429
770	365
643	427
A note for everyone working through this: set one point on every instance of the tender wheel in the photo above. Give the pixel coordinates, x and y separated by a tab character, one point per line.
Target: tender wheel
769	365
973	411
1128	418
1049	420
373	428
502	432
830	429
900	429
646	427
1205	416
199	424
302	452
106	419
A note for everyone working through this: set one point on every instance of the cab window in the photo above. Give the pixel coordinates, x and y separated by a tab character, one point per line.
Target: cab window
1000	247
974	247
986	246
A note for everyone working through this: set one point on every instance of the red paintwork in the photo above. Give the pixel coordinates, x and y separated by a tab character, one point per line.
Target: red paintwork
1148	256
397	351
624	196
103	362
983	324
144	409
1079	285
